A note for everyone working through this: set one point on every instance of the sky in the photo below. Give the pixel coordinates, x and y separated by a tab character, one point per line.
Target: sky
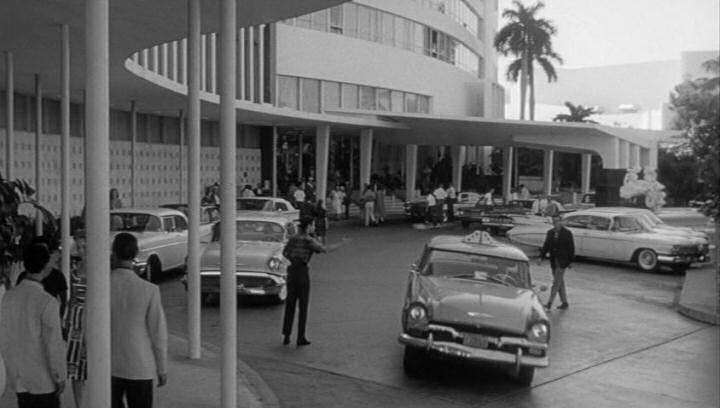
610	32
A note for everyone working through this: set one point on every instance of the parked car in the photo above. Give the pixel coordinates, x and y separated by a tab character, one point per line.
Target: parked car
161	234
247	205
261	267
209	214
498	219
624	234
472	298
417	208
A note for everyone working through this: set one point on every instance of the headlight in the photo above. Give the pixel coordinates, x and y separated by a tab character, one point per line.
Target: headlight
417	316
539	333
274	263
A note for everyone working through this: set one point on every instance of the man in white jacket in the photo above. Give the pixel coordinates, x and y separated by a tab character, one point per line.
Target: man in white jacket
138	329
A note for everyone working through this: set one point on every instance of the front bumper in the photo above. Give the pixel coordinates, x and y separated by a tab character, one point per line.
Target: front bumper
247	284
681	259
456	350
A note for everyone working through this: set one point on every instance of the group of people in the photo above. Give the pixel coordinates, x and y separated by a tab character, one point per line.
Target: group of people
43	339
442	199
373	202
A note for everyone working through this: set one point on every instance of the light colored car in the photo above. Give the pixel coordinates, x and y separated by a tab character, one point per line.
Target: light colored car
471	298
417	208
254	205
209	214
626	235
161	234
261	267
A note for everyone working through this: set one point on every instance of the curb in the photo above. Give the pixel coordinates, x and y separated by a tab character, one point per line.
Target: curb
699	315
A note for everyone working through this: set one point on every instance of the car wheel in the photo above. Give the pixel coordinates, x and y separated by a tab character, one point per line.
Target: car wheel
281	296
680	268
415	361
647	260
525	376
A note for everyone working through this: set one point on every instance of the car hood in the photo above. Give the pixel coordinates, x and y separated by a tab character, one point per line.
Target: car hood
480	304
251	256
684	231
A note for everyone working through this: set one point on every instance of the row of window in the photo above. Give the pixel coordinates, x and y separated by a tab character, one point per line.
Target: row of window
460	11
370	24
314	95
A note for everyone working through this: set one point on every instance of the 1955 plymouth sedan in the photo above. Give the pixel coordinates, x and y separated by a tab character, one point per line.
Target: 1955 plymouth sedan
260	266
472	298
626	235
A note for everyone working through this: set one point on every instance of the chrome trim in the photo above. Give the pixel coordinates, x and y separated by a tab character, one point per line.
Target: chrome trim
498	341
474	354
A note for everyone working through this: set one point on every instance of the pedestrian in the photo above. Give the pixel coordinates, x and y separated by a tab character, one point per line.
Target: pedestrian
31	337
321	222
369	206
55	283
430	203
524	192
337	196
551	208
440	195
74	321
247	192
379	203
299	194
115	201
451	201
560	248
488	197
138	330
299	249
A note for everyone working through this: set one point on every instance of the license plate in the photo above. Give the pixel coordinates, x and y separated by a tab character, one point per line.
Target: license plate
475	340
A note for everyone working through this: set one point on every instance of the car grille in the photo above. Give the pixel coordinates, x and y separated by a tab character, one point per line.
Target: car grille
689	250
490	335
247	281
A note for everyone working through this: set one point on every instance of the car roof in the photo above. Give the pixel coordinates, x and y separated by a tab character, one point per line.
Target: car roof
610	211
262	216
156	211
457	243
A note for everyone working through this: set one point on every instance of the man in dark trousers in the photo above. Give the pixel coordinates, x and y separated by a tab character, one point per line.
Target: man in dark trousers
299	249
560	248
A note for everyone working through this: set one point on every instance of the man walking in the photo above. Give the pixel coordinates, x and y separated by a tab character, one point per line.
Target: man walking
30	336
138	329
560	248
451	201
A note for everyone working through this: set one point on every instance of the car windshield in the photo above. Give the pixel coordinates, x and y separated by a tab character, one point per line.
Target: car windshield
254	231
651	219
254	204
628	223
134	222
461	265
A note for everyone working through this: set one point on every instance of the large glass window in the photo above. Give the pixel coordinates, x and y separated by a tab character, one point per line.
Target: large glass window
397	101
288	92
365	23
350	19
402	32
336	20
423	104
388	29
310	95
367	97
383	99
304	21
331	91
349	96
320	20
411	102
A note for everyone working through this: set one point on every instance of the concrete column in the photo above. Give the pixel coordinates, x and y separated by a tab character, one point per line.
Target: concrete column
241	62
97	173
548	167
65	239
228	152
644	157
410	171
623	154
193	180
10	117
508	156
133	153
322	156
261	64
181	129
250	86
203	62
164	60
184	64
38	136
212	61
174	60
274	163
366	142
458	160
653	157
634	155
585	168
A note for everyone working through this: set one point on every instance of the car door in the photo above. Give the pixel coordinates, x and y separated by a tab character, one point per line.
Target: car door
287	209
598	240
169	245
578	225
624	240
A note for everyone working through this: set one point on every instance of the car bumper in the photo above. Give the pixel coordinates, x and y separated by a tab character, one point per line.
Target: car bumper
210	284
681	259
474	354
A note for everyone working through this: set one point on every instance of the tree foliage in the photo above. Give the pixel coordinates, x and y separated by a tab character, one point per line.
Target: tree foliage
697	107
578	113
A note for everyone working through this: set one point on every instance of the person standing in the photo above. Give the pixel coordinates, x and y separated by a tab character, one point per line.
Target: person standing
451	201
55	283
138	330
524	192
321	222
299	249
560	248
115	201
74	321
369	206
31	336
488	197
336	201
430	204
440	196
379	203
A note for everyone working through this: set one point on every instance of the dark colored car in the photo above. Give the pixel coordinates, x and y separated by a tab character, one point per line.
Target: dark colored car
495	219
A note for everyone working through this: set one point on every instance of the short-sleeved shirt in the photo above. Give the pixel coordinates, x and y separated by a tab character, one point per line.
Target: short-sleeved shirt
300	249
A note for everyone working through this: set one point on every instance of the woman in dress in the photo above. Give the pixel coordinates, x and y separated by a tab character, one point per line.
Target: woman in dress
115	201
74	322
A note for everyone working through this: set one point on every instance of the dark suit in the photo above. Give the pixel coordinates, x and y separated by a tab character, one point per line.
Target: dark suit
560	248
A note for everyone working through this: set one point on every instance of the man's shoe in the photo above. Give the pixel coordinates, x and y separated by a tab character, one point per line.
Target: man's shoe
303	342
286	340
547	306
564	306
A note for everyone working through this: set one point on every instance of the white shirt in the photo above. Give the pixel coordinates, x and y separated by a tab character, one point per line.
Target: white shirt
431	202
440	193
31	339
487	199
451	193
299	195
138	327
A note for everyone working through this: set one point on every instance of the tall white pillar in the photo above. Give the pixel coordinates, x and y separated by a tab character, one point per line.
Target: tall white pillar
585	165
261	64
653	157
97	173
241	63
38	135
623	154
193	180
322	156
410	171
274	163
634	155
366	142
548	167
212	61
508	156
65	239
250	86
458	160
228	152
644	157
9	116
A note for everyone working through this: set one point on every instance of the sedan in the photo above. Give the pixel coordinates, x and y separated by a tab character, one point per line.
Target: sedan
268	206
626	235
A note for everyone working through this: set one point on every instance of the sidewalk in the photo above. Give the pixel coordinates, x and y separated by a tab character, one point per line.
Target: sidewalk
699	298
192	383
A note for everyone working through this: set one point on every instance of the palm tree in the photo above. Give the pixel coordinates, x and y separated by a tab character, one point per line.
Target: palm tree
528	38
578	113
